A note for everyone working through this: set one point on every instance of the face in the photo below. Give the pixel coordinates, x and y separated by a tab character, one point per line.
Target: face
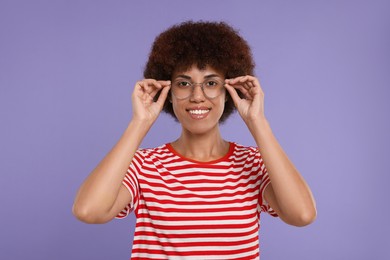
198	113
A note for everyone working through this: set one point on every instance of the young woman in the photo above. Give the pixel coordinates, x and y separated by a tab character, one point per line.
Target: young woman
200	196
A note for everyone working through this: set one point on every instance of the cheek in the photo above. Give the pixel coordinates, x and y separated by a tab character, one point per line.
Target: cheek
176	108
220	105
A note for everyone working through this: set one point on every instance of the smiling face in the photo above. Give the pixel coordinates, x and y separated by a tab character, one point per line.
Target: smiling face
197	113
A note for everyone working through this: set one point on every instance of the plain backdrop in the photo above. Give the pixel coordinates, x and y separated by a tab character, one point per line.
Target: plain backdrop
67	70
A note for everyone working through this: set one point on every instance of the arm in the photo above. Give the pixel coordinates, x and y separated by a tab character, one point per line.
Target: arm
102	196
288	194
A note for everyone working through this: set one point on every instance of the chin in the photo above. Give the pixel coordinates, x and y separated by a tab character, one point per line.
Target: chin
199	128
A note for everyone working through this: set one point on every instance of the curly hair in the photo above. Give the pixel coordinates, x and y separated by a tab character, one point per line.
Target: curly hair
214	44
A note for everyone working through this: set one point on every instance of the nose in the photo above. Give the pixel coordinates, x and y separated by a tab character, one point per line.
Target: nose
197	94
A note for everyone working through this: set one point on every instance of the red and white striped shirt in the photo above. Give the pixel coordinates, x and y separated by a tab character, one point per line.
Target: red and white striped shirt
187	209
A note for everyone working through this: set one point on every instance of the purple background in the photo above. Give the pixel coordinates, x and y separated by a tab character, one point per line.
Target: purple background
67	69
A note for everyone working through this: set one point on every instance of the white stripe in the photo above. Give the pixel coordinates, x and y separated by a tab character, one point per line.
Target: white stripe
197	193
234	162
200	213
203	257
197	239
205	175
204	200
196	172
190	232
197	248
204	183
199	207
243	167
184	223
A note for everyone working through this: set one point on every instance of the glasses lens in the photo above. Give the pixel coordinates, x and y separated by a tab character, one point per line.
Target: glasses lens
182	89
212	88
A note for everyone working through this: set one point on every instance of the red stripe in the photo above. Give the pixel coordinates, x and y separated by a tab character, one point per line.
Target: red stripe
241	173
196	189
223	251
251	197
203	196
200	227
196	210
231	234
197	218
201	243
170	178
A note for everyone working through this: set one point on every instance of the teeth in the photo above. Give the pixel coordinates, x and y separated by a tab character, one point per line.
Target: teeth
199	112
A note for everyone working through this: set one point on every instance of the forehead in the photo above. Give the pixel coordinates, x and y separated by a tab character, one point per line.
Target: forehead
195	71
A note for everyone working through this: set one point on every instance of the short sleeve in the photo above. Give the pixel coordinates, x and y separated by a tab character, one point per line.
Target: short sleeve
131	183
265	181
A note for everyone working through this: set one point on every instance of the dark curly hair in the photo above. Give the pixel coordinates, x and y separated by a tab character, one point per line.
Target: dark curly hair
214	44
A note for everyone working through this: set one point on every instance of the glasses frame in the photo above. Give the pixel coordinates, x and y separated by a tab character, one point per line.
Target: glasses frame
202	86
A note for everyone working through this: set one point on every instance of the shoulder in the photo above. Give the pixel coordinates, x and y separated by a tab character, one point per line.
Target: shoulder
250	154
159	151
245	150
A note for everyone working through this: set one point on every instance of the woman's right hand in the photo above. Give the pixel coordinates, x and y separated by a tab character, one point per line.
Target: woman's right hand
145	109
102	196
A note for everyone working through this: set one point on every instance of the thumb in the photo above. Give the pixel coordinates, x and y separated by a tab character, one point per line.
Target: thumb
163	96
233	93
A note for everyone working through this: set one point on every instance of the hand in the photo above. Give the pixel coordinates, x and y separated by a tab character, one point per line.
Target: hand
144	106
251	107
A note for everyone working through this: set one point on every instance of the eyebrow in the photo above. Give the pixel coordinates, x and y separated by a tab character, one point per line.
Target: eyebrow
206	77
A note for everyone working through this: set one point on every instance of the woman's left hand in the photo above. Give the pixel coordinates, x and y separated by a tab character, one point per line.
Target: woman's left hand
251	106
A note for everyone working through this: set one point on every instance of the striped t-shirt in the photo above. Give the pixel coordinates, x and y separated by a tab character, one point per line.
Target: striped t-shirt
187	209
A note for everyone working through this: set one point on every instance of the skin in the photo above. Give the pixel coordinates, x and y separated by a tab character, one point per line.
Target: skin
200	139
288	194
102	195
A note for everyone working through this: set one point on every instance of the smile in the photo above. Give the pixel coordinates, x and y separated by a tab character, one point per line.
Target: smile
199	111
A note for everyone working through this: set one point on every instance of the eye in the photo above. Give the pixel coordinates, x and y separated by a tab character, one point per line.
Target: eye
182	84
212	83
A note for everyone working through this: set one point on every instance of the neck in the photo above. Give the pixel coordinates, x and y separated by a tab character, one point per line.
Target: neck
201	147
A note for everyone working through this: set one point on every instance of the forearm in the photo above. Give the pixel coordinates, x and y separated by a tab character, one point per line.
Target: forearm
99	191
292	197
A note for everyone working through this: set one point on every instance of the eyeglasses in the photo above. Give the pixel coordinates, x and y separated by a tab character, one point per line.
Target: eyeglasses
183	89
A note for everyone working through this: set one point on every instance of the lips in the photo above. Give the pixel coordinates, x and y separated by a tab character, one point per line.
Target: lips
198	113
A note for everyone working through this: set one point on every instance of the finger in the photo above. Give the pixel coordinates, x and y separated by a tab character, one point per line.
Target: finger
151	85
164	82
138	85
233	93
238	80
242	88
163	95
143	86
250	83
159	85
253	82
241	83
245	92
243	79
139	89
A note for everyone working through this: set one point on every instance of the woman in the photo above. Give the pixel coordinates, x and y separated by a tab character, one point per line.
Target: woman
200	196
